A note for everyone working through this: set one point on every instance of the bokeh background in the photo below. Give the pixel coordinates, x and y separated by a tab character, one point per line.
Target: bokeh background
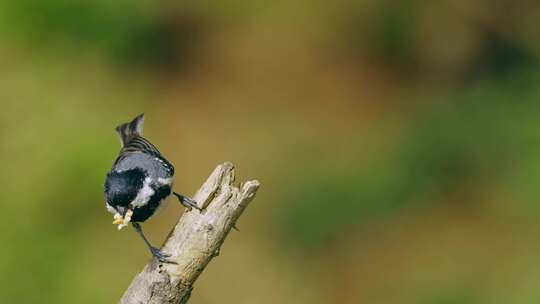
397	143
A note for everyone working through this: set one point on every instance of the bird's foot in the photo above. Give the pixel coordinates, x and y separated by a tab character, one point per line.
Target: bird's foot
187	202
161	256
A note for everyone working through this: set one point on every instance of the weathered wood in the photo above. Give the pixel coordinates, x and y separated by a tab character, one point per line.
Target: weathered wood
194	241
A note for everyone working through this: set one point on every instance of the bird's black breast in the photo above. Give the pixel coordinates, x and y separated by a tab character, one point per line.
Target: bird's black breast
142	213
122	187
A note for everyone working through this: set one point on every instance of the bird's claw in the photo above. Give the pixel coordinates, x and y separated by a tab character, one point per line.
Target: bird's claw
161	256
190	203
187	202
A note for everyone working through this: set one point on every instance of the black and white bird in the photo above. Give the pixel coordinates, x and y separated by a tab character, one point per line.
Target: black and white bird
139	181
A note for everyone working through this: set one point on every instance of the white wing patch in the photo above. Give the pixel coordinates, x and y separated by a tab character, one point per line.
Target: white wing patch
144	194
165	181
167	167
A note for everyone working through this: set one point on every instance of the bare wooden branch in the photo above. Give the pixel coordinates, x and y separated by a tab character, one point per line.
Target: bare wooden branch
194	241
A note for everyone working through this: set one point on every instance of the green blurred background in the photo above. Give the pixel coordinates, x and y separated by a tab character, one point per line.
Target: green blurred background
397	143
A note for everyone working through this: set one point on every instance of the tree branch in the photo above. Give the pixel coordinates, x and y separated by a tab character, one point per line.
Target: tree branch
194	241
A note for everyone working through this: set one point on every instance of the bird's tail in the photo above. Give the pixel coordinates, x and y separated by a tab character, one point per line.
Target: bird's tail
131	129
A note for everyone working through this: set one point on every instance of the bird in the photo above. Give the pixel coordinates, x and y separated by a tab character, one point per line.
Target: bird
140	179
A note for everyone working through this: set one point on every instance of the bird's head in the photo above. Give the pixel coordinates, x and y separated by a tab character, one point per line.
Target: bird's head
122	187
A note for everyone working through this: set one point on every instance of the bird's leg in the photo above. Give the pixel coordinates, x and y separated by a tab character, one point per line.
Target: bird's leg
187	202
191	203
162	257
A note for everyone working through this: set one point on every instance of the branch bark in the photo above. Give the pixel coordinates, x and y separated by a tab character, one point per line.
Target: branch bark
194	241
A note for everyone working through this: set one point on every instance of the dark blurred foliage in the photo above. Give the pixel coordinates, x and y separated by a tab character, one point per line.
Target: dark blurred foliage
500	58
400	39
396	141
128	33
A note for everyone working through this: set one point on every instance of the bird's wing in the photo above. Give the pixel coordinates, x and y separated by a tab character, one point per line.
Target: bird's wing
138	144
